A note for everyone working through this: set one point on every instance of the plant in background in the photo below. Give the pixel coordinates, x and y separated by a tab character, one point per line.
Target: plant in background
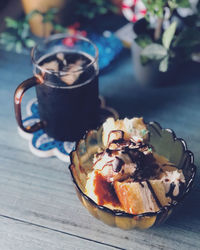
50	17
167	36
18	35
92	8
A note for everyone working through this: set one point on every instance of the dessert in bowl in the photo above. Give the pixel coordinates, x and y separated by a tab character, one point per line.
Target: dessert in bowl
131	174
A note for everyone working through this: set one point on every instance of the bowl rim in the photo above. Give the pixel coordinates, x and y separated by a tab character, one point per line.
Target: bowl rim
164	209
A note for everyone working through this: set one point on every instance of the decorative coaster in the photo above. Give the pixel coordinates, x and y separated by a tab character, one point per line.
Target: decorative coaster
42	145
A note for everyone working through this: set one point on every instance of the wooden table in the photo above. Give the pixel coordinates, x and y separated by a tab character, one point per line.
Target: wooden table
38	205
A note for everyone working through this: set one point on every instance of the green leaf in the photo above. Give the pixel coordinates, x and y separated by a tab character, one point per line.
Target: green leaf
90	15
102	10
49	16
92	8
114	9
9	46
144	60
59	28
163	67
172	4
7	37
18	47
11	23
183	3
168	35
143	40
29	43
154	51
155	7
24	31
31	14
53	11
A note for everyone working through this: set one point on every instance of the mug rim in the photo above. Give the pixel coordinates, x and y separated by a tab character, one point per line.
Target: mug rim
63	36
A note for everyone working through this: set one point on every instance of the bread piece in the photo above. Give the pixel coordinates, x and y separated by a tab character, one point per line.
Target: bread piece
134	128
143	197
135	197
159	189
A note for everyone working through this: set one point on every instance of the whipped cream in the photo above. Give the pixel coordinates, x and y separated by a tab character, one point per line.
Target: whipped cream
172	181
115	166
133	129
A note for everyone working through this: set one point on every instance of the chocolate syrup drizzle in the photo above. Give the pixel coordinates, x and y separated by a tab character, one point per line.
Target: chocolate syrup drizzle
146	165
171	190
154	194
117	164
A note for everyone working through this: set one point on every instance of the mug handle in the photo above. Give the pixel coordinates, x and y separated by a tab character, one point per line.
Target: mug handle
19	92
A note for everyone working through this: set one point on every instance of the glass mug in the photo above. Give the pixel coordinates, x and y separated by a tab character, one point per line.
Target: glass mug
66	81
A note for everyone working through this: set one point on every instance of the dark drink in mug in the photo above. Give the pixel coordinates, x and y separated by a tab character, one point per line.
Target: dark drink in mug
67	89
74	108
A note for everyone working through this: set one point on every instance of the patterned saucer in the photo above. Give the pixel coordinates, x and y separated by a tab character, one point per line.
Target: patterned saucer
42	145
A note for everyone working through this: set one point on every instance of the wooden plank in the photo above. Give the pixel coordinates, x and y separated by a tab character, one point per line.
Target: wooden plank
43	194
17	234
40	191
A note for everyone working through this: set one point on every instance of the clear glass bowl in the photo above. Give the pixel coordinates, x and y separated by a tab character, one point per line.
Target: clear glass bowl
165	143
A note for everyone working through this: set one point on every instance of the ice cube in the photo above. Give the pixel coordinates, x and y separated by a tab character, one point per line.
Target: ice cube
52	65
61	57
72	72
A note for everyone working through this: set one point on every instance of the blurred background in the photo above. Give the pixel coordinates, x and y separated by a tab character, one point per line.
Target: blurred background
163	37
23	23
